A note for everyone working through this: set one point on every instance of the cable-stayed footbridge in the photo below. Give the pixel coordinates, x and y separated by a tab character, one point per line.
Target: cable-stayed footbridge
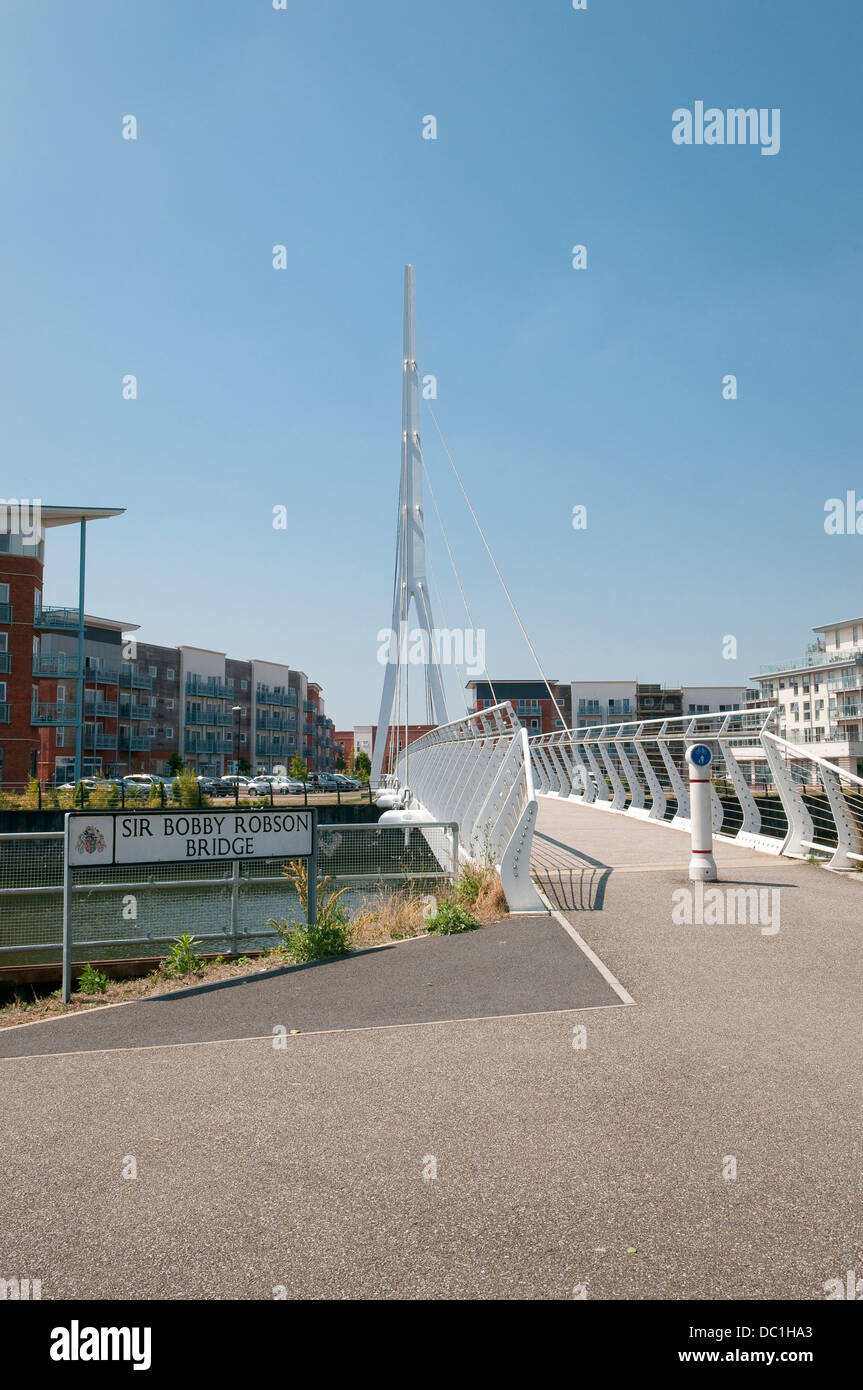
769	796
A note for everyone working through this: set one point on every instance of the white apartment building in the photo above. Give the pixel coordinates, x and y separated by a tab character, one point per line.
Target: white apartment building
601	702
604	702
820	699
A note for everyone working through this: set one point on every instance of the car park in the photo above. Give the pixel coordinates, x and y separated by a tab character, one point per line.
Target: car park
326	782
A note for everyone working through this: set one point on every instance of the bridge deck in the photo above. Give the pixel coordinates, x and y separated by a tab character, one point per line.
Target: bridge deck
569	836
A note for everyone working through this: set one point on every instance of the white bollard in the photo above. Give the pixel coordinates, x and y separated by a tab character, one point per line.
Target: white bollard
702	865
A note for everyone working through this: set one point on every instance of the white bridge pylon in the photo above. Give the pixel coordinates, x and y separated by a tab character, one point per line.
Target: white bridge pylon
410	582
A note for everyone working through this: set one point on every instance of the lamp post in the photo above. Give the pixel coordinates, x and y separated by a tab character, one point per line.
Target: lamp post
238	710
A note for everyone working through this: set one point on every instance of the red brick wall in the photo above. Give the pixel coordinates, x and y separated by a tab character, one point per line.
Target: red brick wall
18	738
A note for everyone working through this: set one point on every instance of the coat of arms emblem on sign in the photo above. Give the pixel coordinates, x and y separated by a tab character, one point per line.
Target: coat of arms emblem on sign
90	841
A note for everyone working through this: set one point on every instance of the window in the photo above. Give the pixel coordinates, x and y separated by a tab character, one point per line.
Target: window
169	733
60	738
61	694
4	641
244	685
152	732
836	637
169	704
856	633
4	593
170	673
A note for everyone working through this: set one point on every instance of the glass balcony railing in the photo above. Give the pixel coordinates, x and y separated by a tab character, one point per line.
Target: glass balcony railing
209	718
98	738
136	743
131	709
213	689
101	709
55	664
133	679
57	618
196	744
285	698
54	712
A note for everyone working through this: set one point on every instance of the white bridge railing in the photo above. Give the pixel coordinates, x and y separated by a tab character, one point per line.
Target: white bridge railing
477	772
786	802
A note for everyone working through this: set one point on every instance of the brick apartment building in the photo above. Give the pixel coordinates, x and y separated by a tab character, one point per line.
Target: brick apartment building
142	704
530	700
360	739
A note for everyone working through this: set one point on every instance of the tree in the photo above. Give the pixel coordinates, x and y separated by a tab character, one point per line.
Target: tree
362	766
244	766
340	761
175	764
298	768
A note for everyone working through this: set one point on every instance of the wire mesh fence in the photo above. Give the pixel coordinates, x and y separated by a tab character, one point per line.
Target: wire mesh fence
137	910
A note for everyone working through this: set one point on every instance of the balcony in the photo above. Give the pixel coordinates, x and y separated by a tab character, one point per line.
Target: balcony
309	707
56	664
195	744
6	613
97	738
275	721
265	696
5	663
219	719
213	689
135	743
57	712
101	675
130	709
133	679
102	709
58	619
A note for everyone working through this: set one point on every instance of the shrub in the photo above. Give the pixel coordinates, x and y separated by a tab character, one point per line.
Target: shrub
182	959
469	882
450	918
91	981
187	789
317	941
328	935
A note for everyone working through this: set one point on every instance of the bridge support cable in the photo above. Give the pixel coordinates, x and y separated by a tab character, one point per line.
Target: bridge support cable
497	571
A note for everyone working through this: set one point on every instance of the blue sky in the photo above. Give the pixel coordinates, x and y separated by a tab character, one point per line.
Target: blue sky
556	387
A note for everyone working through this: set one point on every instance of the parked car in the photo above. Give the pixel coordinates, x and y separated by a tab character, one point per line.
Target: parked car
143	780
282	786
211	786
326	782
347	784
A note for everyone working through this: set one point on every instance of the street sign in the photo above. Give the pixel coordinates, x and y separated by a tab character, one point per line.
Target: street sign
701	755
171	837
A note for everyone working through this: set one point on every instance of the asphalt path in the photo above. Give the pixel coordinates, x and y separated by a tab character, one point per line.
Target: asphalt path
522	965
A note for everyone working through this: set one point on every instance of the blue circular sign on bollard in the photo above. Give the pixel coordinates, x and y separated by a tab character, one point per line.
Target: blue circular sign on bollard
701	755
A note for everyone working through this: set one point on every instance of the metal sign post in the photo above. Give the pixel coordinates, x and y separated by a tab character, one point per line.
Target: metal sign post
95	839
702	865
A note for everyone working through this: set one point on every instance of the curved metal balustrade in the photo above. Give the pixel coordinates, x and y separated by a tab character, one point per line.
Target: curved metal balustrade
767	793
477	772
